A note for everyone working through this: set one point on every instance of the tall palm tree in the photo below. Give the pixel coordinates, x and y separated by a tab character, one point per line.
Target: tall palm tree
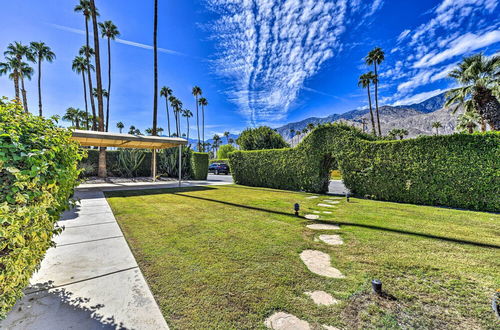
197	92
71	115
104	93
25	71
479	77
226	134
188	114
376	57
85	8
9	67
120	126
80	65
166	92
41	52
468	122
216	143
364	81
88	53
437	125
17	50
109	31
155	48
203	102
176	106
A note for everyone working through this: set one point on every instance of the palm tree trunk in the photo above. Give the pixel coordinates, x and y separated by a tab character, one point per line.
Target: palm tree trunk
109	84
155	46
371	111
85	98
16	85
89	76
102	172
168	115
187	121
198	123
203	127
376	101
23	91
40	85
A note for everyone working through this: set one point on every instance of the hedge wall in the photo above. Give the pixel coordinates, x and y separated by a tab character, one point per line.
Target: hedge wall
199	164
459	170
38	172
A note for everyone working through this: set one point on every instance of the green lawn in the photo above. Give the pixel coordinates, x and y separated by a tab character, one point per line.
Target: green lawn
227	257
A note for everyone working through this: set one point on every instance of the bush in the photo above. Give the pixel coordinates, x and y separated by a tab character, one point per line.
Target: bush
199	164
38	173
224	150
168	162
259	138
459	170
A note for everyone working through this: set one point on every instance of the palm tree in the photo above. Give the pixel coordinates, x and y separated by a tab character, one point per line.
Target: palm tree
17	50
468	122
188	114
71	115
376	57
437	125
104	93
364	81
131	130
226	134
479	77
41	52
197	92
155	47
9	67
176	106
110	31
85	7
120	126
24	71
80	65
88	53
203	102
216	143
166	92
292	133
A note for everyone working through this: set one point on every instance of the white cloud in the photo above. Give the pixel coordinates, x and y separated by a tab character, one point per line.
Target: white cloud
403	35
267	49
418	97
463	44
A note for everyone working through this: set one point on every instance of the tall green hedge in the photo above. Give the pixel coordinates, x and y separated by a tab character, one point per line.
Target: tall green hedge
199	164
38	172
459	170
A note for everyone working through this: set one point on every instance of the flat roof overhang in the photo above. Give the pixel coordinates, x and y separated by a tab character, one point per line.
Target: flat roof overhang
119	140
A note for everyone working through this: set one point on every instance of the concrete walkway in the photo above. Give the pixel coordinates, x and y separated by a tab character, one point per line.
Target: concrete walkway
90	280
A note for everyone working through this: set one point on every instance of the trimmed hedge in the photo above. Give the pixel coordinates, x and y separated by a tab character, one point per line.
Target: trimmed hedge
459	170
199	164
90	164
38	173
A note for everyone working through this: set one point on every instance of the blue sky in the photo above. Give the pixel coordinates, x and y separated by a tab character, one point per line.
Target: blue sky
258	62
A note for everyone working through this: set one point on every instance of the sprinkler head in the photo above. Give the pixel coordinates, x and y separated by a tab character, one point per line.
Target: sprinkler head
377	286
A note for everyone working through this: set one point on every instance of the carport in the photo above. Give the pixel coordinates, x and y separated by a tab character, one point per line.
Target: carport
119	140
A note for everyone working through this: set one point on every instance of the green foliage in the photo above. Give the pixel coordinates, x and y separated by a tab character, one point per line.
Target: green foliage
224	150
168	162
460	170
199	163
38	172
129	161
259	138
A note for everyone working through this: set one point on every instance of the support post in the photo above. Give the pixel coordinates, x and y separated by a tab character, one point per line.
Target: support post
154	165
180	164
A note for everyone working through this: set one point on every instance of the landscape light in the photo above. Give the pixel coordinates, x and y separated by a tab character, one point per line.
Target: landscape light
377	286
296	207
347	196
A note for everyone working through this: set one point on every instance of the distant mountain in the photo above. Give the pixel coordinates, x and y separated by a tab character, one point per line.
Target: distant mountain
416	118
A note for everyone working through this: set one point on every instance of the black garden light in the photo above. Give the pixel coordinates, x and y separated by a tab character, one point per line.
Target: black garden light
296	207
347	196
377	286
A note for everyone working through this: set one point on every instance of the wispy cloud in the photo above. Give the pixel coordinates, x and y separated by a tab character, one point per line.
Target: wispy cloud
418	97
120	41
267	49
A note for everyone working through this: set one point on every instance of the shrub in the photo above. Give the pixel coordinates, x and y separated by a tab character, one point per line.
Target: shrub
129	161
224	150
168	162
460	170
38	173
259	138
199	164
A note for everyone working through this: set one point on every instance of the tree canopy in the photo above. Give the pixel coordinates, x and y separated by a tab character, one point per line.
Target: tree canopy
263	137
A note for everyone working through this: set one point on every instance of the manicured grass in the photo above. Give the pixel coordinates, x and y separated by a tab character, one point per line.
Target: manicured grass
227	257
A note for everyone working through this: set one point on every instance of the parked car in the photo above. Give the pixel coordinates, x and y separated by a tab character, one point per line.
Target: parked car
218	168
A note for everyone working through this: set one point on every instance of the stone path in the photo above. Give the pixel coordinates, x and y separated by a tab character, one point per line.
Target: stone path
330	239
90	280
323	226
322	298
320	263
330	201
285	321
312	216
325	205
312	197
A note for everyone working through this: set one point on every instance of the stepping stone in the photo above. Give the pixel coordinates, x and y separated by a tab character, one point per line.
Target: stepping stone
312	216
327	212
317	212
323	226
337	198
285	321
325	205
330	239
322	298
329	327
312	197
330	201
320	263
